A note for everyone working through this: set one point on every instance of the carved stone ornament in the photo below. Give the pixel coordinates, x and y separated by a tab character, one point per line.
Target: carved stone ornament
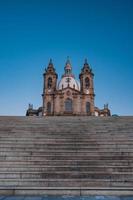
68	93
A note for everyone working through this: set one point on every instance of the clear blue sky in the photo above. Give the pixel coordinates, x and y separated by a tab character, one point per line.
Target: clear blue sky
32	31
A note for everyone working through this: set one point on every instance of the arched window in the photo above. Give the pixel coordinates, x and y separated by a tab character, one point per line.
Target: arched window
88	107
87	82
68	105
49	107
49	82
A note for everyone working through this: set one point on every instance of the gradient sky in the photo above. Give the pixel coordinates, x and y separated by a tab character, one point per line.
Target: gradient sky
33	31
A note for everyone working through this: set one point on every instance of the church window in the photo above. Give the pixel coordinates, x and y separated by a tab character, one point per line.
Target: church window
87	82
49	107
87	107
74	86
68	105
49	82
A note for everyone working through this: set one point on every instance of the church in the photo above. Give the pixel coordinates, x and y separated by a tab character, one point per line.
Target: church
68	96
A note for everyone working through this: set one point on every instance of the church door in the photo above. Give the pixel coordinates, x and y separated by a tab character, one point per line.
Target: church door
88	107
68	105
49	108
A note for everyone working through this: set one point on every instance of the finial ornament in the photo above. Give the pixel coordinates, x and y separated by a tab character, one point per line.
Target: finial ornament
50	61
86	61
106	106
68	60
30	106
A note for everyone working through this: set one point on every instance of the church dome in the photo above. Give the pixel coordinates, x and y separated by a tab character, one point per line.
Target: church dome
68	81
68	78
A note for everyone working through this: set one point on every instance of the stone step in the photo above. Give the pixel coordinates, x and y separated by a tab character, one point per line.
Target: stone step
74	143
65	153
65	142
73	138
67	157
63	131
68	162
75	149
90	138
75	192
55	123
66	122
86	134
46	168
13	183
123	176
66	146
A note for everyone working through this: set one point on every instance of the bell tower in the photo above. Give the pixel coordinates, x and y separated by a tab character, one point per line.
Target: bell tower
50	82
87	89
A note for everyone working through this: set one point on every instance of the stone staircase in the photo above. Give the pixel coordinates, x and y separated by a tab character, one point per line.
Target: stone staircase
66	155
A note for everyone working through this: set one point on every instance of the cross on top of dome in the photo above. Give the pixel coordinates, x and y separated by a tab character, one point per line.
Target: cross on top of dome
86	63
68	68
68	61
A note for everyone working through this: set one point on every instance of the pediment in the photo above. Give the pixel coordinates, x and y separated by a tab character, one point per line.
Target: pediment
69	90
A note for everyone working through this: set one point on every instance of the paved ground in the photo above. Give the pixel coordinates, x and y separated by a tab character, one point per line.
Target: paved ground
65	198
